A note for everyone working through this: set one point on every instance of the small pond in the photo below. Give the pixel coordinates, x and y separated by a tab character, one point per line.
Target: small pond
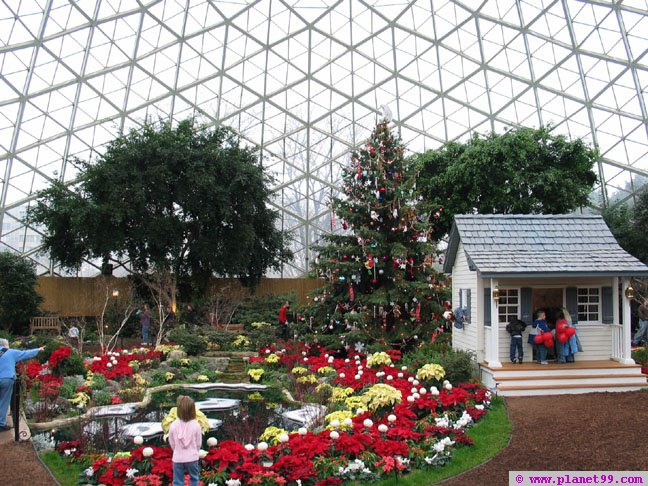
234	414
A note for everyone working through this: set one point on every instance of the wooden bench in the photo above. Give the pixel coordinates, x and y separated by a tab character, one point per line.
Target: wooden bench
45	323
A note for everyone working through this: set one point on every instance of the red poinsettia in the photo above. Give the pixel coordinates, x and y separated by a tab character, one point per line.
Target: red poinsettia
294	468
58	355
353	444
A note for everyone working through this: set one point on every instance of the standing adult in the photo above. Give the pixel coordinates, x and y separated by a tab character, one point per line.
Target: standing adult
283	320
8	359
145	323
642	332
191	317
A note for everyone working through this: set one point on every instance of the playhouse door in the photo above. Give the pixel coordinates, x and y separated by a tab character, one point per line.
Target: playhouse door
547	298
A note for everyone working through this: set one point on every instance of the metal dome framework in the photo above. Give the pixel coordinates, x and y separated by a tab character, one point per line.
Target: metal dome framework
303	80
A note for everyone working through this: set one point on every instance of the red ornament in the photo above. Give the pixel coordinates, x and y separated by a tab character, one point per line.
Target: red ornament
351	294
374	281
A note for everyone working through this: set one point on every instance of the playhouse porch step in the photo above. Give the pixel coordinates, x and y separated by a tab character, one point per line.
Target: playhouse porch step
567	389
562	378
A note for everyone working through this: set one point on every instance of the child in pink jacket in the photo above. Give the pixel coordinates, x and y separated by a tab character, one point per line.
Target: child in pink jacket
185	438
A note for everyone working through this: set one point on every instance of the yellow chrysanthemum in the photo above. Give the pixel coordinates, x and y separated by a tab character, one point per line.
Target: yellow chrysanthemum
299	370
381	395
272	359
308	379
430	371
378	359
325	369
255	373
340	416
339	394
271	435
354	402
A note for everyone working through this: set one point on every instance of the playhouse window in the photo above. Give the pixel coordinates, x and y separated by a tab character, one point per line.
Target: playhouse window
509	304
589	304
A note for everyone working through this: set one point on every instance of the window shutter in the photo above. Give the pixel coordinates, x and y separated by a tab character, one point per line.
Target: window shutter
571	297
487	306
460	298
606	305
526	305
468	304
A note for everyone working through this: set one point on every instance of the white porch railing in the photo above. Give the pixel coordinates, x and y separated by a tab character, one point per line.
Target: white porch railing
617	341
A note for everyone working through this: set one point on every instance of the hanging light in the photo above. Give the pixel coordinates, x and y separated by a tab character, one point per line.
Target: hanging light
496	294
629	292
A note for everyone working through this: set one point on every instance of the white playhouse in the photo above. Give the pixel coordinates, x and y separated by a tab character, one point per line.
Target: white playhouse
506	266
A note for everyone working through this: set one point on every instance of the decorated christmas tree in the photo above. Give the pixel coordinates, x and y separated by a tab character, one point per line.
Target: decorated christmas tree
381	279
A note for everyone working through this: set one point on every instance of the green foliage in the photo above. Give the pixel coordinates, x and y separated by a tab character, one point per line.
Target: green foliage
99	381
184	199
192	343
68	387
621	221
19	300
218	337
66	473
262	337
262	308
459	365
523	171
70	366
101	397
640	355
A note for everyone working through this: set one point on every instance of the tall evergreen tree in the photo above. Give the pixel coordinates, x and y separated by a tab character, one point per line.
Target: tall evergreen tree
380	271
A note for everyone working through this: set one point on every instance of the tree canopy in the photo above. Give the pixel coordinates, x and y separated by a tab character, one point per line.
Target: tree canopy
185	199
19	300
628	225
523	171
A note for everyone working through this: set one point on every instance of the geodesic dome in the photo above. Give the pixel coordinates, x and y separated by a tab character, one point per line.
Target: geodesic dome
304	80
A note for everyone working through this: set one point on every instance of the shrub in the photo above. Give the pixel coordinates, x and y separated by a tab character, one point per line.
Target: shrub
70	366
192	343
218	337
68	387
640	355
99	381
101	397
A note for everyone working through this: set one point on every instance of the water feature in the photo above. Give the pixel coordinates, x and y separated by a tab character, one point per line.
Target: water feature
235	411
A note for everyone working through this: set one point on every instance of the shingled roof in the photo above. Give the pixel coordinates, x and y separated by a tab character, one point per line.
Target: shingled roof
530	244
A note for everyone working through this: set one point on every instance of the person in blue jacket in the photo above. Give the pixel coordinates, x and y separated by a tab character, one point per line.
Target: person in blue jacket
8	359
540	324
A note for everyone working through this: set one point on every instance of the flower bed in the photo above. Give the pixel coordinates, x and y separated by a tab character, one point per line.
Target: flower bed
382	421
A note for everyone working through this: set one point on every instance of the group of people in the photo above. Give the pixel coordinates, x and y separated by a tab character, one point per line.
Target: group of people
561	334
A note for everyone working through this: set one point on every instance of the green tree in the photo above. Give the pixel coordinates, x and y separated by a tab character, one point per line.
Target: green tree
186	201
19	300
628	225
523	171
380	279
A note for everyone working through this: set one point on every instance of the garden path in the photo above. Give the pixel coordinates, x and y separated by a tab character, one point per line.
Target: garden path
593	431
589	432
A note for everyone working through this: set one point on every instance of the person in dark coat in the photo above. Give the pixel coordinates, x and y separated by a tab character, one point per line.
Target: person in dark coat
515	328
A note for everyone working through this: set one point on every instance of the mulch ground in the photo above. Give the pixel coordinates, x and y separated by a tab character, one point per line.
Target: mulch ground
590	432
